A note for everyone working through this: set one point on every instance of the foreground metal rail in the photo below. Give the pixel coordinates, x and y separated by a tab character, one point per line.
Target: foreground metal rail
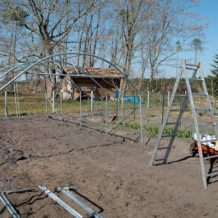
61	202
68	193
8	205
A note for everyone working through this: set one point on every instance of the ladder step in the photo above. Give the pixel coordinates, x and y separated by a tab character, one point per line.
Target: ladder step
195	79
199	94
163	148
172	123
212	174
211	157
180	96
161	159
192	65
176	110
191	68
203	109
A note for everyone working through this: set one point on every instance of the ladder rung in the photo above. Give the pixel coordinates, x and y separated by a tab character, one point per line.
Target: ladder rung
172	123
180	96
195	79
211	157
212	174
203	109
199	94
190	68
161	159
176	110
163	148
191	65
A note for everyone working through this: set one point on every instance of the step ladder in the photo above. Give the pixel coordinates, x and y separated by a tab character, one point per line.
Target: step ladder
162	149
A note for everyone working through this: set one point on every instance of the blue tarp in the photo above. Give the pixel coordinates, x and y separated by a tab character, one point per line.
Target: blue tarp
132	99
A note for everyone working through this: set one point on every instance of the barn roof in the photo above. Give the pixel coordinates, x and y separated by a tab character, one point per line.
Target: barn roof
94	72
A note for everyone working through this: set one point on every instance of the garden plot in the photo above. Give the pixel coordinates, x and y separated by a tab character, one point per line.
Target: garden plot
109	170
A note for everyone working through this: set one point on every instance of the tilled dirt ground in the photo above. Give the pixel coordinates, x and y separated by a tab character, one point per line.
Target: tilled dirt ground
111	172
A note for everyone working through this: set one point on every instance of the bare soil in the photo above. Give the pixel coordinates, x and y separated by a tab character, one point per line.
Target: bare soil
108	170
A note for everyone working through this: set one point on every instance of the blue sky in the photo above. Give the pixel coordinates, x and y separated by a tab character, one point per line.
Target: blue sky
209	9
208	12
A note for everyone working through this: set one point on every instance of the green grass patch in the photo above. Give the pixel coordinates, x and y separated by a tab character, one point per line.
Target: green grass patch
183	133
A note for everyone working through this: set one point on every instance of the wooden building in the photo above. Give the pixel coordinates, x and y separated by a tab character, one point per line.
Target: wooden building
99	81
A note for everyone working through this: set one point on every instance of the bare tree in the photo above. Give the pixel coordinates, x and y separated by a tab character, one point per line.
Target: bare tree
164	26
50	21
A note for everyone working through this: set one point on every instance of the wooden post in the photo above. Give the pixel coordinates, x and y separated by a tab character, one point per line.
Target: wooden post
91	101
6	104
122	104
61	103
106	112
148	99
46	103
168	98
53	101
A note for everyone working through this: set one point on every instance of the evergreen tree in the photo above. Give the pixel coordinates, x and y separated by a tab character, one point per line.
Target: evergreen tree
197	46
214	71
214	78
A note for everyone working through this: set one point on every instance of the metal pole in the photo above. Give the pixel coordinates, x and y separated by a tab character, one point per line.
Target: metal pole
18	102
6	104
61	103
53	101
15	100
46	102
122	104
141	119
148	99
90	211
168	98
106	112
91	101
60	202
117	108
134	105
8	205
163	103
80	108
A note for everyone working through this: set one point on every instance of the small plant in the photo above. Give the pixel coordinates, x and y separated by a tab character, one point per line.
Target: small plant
183	133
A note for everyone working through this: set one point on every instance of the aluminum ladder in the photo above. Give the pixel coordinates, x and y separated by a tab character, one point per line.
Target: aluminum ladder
161	152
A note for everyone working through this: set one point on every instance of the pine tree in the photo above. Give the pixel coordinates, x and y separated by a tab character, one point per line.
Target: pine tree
197	46
214	78
214	71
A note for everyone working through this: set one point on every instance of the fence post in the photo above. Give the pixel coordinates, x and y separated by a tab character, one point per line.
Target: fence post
15	99
91	101
106	112
6	104
53	101
46	102
168	98
122	104
18	102
80	109
163	104
61	103
134	106
141	119
148	99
